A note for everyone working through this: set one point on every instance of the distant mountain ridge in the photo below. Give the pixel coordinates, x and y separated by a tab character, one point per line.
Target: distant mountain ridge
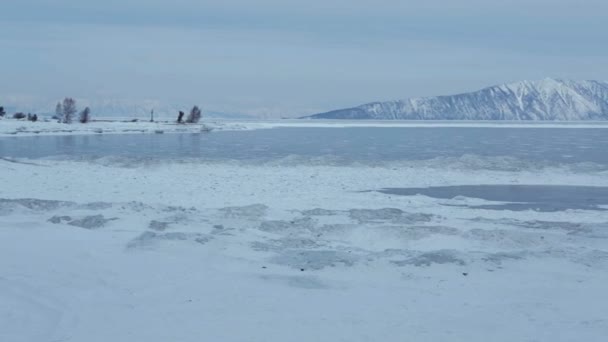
547	99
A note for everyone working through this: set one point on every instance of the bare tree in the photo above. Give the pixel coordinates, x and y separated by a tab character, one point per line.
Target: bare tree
85	115
69	109
194	116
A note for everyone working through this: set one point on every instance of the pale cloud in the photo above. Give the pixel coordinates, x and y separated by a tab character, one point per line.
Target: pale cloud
293	56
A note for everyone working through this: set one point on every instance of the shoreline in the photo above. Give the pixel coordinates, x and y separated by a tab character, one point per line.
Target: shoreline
20	128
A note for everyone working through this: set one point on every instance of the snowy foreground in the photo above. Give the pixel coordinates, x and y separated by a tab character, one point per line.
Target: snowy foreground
93	251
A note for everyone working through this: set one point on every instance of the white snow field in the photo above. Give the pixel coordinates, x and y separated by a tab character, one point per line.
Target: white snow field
97	250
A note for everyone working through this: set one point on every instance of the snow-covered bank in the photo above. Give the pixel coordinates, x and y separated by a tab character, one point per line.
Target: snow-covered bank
234	252
11	127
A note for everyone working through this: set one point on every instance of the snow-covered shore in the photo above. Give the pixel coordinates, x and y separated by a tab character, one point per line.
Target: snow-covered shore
93	251
11	127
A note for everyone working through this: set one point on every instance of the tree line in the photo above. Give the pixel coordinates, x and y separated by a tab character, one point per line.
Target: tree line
65	112
19	115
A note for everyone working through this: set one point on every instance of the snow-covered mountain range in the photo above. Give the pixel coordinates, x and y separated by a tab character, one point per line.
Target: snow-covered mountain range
547	99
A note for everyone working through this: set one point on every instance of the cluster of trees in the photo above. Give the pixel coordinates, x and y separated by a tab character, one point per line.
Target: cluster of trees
64	113
19	115
29	116
66	110
194	116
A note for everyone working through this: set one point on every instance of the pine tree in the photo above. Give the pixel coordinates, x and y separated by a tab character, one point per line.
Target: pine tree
194	116
85	115
2	112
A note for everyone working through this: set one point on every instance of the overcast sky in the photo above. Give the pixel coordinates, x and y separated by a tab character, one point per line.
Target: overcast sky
293	57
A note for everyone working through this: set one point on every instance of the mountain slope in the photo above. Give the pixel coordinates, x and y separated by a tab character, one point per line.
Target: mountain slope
547	99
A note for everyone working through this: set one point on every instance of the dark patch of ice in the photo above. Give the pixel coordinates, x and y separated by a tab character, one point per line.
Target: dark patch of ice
202	239
393	252
592	230
87	222
592	258
314	259
388	214
303	282
319	212
219	229
136	206
580	255
299	224
15	161
179	217
158	225
539	207
332	229
545	198
412	218
173	208
96	206
505	237
250	212
498	258
434	257
367	215
282	244
264	246
421	232
549	225
142	240
147	239
58	219
274	226
91	222
36	204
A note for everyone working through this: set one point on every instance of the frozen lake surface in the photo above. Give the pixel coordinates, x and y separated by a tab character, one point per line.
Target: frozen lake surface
552	146
284	235
524	197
